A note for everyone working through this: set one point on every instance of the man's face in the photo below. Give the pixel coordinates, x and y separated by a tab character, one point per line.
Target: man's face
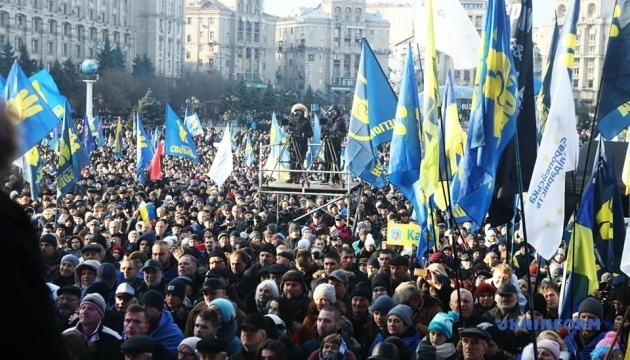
383	261
123	302
135	323
89	315
552	299
129	270
216	262
380	318
292	289
160	253
467	304
266	258
330	265
359	306
204	328
506	302
326	323
209	243
186	267
67	302
46	249
398	272
153	277
237	265
347	260
251	338
340	287
474	348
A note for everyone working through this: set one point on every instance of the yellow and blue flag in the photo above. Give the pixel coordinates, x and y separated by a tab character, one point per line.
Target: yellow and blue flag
144	153
543	102
155	137
178	141
614	96
100	137
404	168
27	109
430	164
371	120
250	157
315	151
88	139
118	140
147	212
277	164
193	124
33	170
492	122
72	156
510	171
45	85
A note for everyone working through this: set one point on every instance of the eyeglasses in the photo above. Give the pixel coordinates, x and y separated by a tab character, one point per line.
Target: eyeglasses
64	299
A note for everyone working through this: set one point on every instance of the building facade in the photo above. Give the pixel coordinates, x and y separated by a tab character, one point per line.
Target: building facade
232	37
320	47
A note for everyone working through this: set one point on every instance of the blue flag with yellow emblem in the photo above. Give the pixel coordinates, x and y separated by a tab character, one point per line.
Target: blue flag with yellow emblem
88	139
100	137
371	120
492	121
178	141
72	156
45	85
33	170
144	153
118	140
614	97
31	113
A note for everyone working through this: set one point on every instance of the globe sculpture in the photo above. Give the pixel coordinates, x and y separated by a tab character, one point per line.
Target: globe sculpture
89	67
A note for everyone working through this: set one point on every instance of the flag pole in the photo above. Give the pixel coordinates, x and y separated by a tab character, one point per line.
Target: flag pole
611	347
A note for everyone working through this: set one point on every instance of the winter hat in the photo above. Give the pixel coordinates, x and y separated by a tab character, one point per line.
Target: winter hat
326	291
177	287
294	227
550	346
153	298
50	239
273	287
228	312
71	258
369	240
484	288
403	312
106	273
602	347
97	301
383	303
443	323
361	289
593	306
191	342
303	244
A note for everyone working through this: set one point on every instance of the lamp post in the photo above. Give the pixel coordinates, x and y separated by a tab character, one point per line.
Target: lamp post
89	68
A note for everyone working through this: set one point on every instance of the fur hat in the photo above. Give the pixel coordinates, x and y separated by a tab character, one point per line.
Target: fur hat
300	106
326	291
443	323
403	312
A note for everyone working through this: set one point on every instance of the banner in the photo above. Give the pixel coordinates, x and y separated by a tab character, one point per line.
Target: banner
402	234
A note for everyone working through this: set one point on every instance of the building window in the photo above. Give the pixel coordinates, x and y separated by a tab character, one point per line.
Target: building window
211	35
189	38
189	20
357	15
35	46
64	50
49	48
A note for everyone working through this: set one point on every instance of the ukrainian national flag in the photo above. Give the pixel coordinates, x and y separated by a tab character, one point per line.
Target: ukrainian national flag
278	159
178	141
373	112
144	153
614	104
88	140
118	140
147	212
72	158
100	138
27	109
492	122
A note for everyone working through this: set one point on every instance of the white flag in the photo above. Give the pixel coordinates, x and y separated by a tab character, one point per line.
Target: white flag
455	34
558	154
223	164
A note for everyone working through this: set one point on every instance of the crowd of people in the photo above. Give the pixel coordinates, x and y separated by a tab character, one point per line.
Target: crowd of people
229	272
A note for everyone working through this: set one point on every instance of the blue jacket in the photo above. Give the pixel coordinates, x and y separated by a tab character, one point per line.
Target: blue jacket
411	338
168	334
579	352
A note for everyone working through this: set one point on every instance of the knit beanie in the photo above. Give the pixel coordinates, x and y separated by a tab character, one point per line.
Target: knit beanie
326	291
273	287
443	323
484	288
228	312
361	289
191	342
303	244
593	306
599	353
177	287
153	298
382	303
71	258
403	312
550	346
96	300
50	239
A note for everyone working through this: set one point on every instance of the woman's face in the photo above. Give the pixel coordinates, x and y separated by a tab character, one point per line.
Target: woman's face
75	244
263	294
395	326
274	308
330	349
66	268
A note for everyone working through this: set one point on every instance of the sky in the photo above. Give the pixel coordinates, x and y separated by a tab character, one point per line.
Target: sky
543	9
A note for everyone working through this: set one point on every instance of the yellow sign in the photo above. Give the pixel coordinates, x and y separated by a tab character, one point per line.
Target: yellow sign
402	234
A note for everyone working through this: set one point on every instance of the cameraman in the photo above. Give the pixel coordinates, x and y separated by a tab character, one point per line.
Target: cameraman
334	130
299	130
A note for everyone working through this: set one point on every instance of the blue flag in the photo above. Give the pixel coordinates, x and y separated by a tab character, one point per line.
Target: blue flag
45	85
100	138
492	121
88	139
144	153
33	116
178	140
193	124
233	140
72	156
155	138
54	138
315	151
614	104
33	170
3	82
373	112
404	168
250	158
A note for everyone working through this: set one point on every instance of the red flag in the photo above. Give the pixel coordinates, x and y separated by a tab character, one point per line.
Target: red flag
155	168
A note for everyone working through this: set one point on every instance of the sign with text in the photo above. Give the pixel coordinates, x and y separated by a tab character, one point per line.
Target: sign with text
402	234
